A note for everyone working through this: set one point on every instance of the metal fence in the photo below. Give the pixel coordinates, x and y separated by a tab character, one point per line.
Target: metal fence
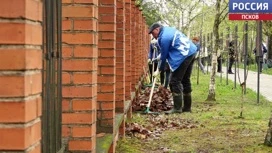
52	94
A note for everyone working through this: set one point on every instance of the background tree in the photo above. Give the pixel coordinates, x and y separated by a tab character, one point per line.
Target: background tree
267	28
220	15
176	13
151	10
181	13
194	16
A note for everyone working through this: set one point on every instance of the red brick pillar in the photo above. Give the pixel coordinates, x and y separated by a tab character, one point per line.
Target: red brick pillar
145	45
79	74
139	43
144	54
147	41
106	66
140	50
120	56
133	46
120	62
148	38
136	47
128	49
20	75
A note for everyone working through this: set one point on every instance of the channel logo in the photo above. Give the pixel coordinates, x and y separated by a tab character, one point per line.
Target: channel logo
250	10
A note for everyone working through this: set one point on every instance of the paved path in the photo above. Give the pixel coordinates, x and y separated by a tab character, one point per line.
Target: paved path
251	81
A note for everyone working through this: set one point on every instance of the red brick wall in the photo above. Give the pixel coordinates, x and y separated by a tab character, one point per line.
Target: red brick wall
120	62
106	66
137	45
101	66
120	56
146	39
144	44
140	42
142	54
133	46
20	75
128	49
80	52
138	52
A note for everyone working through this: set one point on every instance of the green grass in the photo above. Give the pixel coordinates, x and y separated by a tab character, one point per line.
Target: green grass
222	130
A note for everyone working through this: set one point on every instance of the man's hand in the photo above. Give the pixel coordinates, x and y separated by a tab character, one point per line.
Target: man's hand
154	60
149	61
154	41
156	73
157	59
155	48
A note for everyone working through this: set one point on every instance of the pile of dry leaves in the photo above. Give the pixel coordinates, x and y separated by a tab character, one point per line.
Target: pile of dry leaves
161	100
156	124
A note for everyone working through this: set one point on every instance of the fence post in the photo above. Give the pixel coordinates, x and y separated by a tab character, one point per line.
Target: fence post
259	54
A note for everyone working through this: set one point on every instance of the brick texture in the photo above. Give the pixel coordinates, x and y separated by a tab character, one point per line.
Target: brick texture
133	47
137	50
79	79
128	50
146	40
120	57
146	45
20	75
106	66
103	53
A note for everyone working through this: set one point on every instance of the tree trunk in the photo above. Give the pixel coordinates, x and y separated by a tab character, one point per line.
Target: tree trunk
211	95
269	47
182	19
268	137
179	23
189	25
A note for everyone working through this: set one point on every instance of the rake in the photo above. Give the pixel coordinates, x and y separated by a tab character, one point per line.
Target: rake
153	67
147	111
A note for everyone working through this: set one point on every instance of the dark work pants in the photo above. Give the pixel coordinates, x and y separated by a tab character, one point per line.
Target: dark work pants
165	77
219	64
231	61
180	81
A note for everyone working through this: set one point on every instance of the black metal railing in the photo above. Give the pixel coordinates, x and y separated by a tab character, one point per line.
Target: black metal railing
52	94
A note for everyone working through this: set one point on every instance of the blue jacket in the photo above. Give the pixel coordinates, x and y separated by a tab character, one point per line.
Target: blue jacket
175	47
152	49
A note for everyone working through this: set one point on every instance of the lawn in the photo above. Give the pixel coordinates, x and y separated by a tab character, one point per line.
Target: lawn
234	123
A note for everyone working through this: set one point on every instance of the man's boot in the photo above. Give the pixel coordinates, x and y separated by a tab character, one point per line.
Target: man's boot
230	71
230	65
219	69
187	102
177	98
